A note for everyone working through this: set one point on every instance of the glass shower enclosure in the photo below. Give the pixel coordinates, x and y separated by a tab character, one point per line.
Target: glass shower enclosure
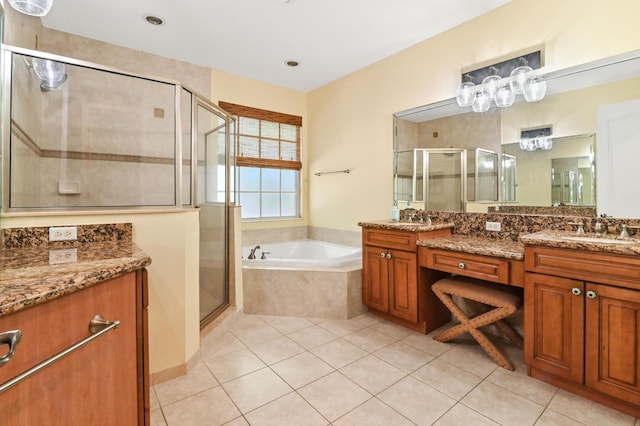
79	136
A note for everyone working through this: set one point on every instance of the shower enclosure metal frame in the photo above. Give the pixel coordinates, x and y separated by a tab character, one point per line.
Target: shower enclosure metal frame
196	100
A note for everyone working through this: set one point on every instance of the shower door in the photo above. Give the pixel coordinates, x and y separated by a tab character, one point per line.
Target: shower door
212	198
438	178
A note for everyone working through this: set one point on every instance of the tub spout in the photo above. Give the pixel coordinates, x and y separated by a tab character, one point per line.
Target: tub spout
252	254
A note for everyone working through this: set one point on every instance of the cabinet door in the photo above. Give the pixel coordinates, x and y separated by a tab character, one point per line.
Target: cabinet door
613	341
403	285
375	279
554	325
96	384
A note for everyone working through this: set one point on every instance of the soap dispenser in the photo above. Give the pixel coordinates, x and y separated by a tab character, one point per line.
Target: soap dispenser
395	212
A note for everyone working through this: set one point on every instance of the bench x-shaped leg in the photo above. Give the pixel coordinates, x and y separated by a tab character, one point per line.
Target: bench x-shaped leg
470	325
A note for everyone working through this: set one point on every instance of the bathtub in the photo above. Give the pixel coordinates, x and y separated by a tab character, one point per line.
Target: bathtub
303	278
302	253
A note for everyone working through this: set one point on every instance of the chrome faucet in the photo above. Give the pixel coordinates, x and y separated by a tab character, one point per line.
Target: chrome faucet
252	254
580	225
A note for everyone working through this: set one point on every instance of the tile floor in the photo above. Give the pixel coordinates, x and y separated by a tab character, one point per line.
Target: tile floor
365	371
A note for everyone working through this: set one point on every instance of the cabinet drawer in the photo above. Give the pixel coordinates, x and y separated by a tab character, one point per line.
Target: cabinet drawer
589	266
470	265
390	239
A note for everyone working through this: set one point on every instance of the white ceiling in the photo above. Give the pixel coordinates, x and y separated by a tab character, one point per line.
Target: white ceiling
254	38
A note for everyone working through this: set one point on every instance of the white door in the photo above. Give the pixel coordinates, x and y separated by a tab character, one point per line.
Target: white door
618	159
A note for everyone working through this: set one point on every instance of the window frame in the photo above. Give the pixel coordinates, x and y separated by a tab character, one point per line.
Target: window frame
245	112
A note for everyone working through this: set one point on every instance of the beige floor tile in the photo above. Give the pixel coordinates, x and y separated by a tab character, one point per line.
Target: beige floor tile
588	412
420	403
373	412
334	395
402	356
256	389
460	415
302	369
339	353
502	406
290	410
551	418
276	350
340	327
240	421
469	356
153	399
369	339
213	346
156	418
366	319
251	330
286	325
447	378
197	379
391	329
311	337
519	383
426	344
230	366
373	374
211	407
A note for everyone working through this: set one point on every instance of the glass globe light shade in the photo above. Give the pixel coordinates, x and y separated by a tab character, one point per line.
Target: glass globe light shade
465	93
32	7
535	89
544	143
527	144
519	76
481	102
51	73
491	84
505	96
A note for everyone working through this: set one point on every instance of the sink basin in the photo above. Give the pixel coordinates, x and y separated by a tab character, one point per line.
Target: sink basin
598	240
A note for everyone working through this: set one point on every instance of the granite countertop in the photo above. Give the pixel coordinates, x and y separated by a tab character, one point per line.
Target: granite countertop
589	242
32	275
404	226
477	245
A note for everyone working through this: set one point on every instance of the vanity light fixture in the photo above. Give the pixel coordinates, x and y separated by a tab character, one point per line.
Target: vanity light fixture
501	82
32	7
534	139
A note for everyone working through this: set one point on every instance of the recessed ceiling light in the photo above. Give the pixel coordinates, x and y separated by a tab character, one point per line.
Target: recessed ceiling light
154	20
292	63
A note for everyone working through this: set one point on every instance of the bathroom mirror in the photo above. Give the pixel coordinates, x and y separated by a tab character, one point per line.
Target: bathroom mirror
570	108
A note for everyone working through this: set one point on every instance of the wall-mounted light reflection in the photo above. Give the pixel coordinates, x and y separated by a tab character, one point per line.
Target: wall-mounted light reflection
51	73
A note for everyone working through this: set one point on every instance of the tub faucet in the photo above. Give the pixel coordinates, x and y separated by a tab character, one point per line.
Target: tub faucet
252	254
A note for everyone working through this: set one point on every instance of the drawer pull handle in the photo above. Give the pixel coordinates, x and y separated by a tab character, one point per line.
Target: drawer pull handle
462	265
388	255
11	339
382	254
576	291
97	326
591	294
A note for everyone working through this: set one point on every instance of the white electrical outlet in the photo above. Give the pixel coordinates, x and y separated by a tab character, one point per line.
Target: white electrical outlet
63	233
493	226
63	256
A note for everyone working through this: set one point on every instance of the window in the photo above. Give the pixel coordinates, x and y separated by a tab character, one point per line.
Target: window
268	162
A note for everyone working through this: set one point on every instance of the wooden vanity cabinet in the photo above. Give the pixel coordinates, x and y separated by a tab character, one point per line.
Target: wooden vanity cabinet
102	382
391	279
582	335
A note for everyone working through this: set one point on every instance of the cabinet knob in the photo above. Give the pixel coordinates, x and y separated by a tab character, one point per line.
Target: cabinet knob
388	255
576	291
462	265
382	254
11	339
591	294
